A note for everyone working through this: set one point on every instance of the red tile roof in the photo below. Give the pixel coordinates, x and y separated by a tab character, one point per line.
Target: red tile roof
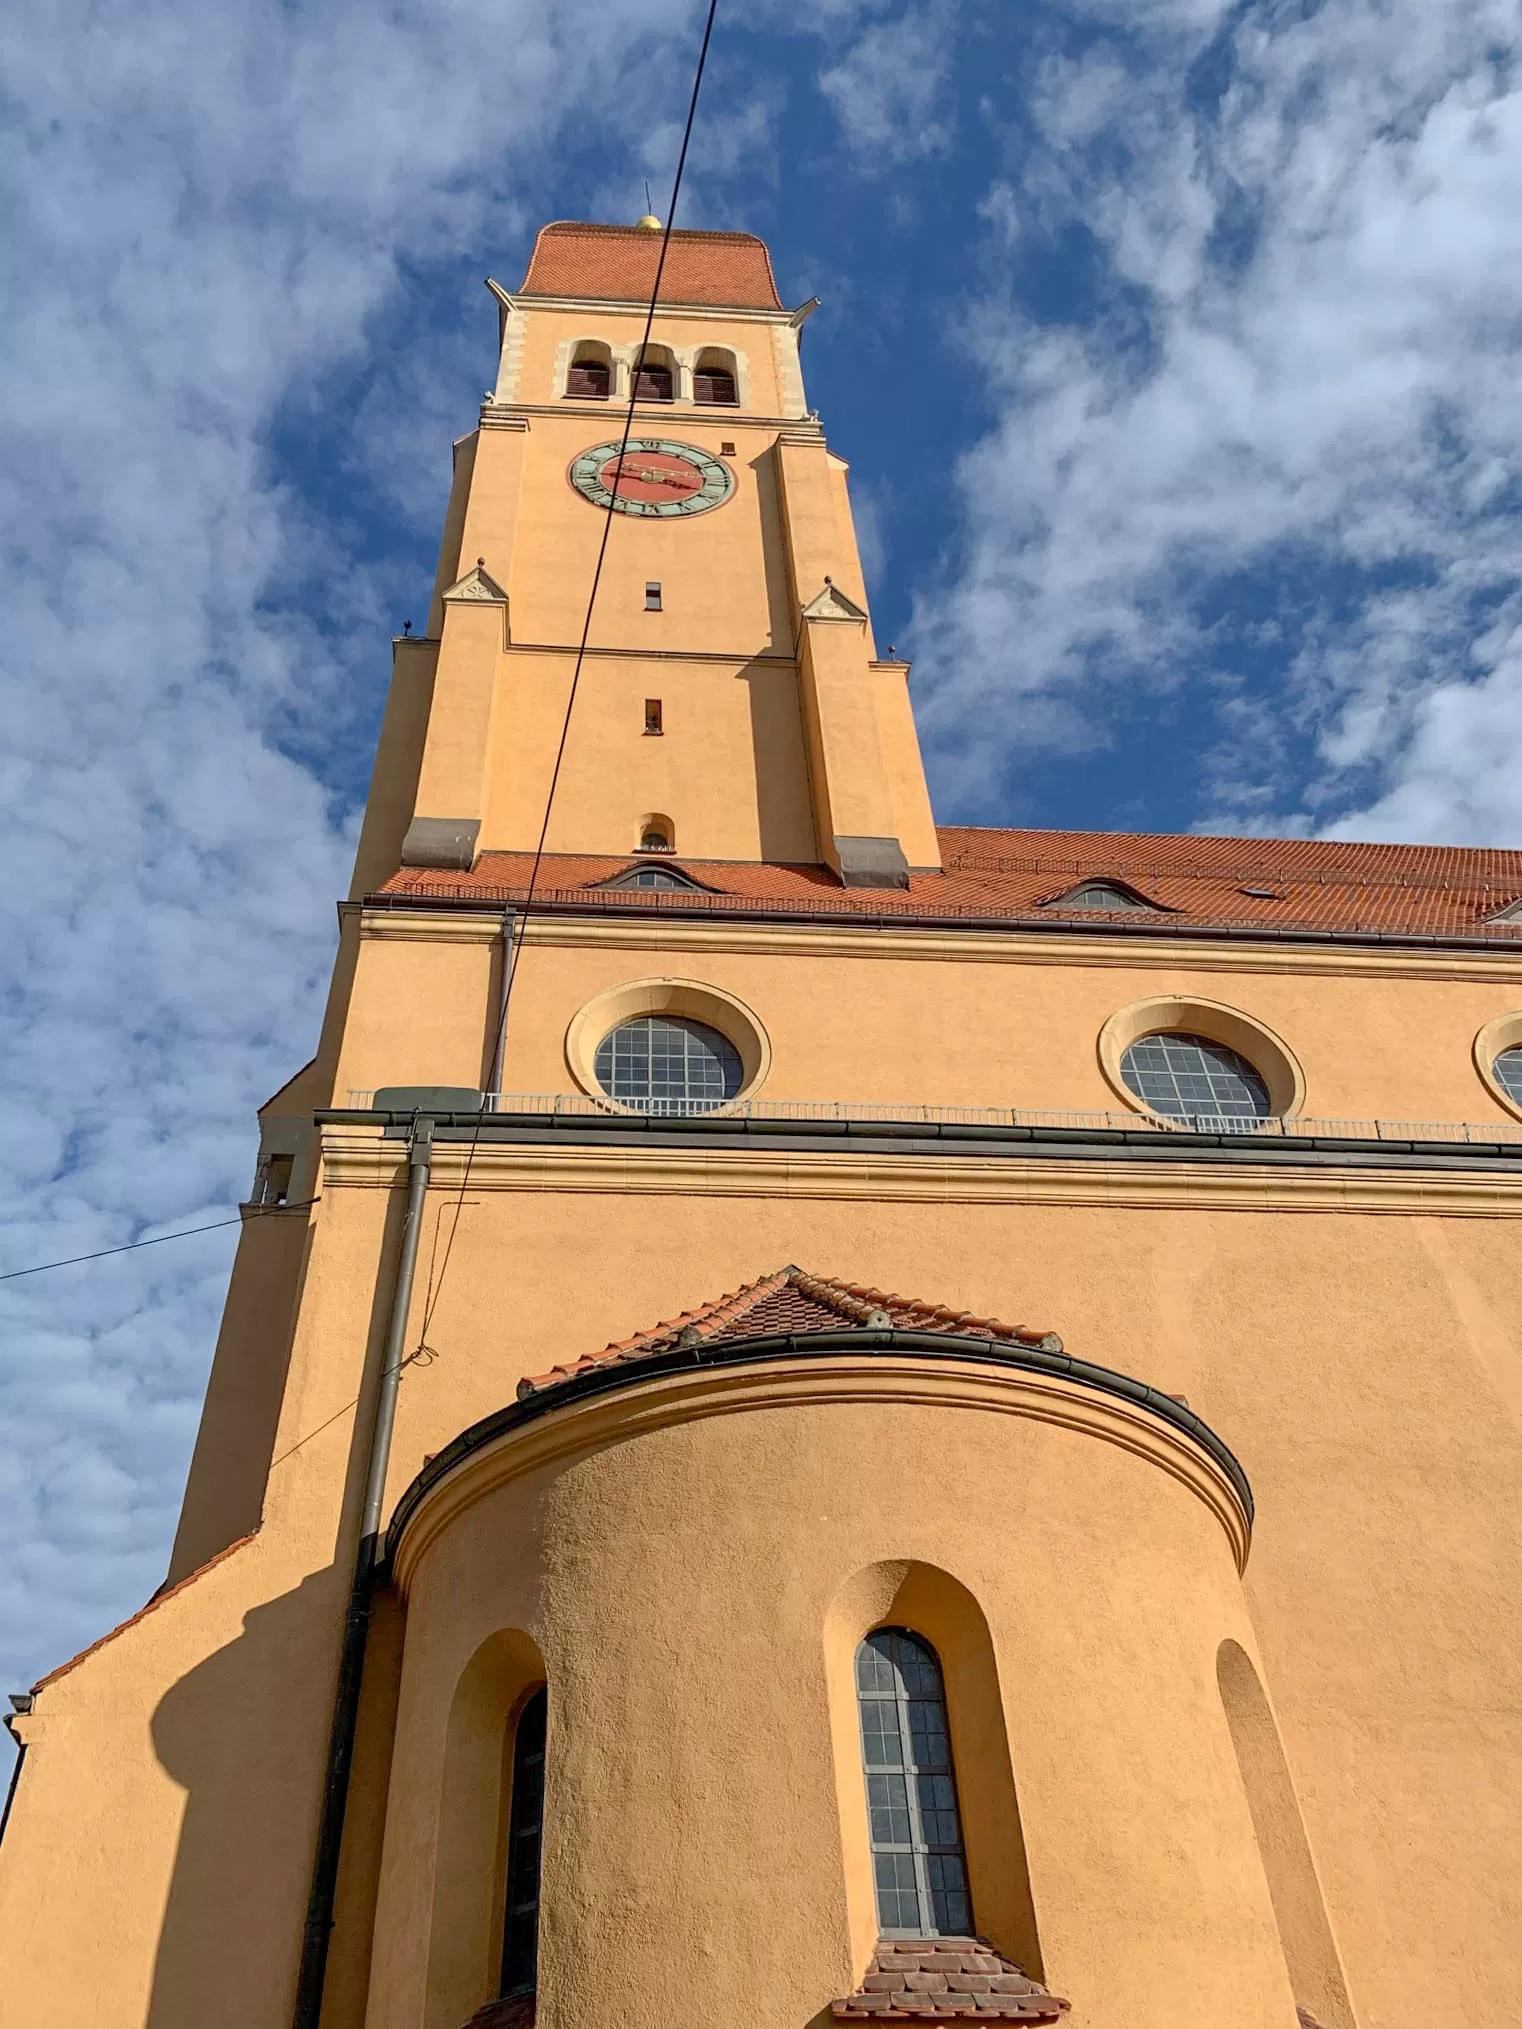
793	1301
1318	885
946	1979
518	2013
616	263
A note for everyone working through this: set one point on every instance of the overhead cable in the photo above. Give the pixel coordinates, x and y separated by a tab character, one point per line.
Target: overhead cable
514	938
155	1240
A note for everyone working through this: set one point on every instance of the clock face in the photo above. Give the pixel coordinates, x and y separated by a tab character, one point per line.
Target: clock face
656	477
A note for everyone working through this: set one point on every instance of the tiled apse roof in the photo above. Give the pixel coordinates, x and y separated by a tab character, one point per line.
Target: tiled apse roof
946	1979
791	1300
1317	885
617	263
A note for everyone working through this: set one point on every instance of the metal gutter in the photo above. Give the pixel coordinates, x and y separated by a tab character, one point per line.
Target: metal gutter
947	1138
616	1374
489	901
319	1920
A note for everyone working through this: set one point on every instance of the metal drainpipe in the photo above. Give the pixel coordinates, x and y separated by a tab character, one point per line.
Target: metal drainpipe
319	1923
15	1782
494	1077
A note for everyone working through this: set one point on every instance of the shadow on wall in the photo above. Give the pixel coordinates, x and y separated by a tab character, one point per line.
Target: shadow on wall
245	1734
784	813
1305	1932
780	604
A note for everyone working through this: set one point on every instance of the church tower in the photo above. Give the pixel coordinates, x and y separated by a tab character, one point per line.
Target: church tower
818	1418
731	702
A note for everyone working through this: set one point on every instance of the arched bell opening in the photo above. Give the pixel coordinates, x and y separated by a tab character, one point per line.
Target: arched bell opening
589	377
655	374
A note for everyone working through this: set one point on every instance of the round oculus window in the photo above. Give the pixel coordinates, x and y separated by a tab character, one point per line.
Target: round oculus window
1190	1078
1507	1072
665	1064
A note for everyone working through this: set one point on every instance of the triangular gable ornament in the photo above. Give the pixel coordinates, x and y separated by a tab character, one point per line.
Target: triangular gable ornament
832	604
479	587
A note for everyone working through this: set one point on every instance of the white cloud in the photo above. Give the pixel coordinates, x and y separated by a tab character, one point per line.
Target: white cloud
206	214
1302	367
889	88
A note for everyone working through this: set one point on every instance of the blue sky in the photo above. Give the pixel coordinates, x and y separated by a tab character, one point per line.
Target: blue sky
1173	346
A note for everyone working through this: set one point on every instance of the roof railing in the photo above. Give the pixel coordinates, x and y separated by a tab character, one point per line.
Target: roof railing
584	1105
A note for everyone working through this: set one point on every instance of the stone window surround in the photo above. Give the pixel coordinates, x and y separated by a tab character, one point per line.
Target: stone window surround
1180	1013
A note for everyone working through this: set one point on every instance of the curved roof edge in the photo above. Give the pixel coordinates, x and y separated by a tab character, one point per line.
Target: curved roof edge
605	1379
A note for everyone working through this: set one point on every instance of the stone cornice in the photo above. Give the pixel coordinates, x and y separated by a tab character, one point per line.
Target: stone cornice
612	306
363	1157
946	1373
515	415
726	658
421	918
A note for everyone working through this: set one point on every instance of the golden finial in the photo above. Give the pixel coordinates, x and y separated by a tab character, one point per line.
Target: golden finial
649	223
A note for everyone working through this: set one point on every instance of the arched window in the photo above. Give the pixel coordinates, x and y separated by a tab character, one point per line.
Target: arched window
520	1925
919	1868
653	380
713	379
667	1064
590	378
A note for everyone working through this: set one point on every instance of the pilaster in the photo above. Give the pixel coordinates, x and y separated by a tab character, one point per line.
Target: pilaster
452	782
871	811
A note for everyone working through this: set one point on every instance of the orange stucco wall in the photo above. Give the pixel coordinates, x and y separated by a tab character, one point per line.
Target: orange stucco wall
939	1018
1194	1795
1361	1364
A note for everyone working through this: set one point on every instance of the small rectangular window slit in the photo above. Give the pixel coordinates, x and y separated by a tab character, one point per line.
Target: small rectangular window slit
653	715
652	597
726	450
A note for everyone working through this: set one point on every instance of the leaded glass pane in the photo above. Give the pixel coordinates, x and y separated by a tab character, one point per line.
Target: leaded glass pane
664	1064
888	1801
898	1902
949	1899
879	1734
1193	1079
1508	1070
916	1828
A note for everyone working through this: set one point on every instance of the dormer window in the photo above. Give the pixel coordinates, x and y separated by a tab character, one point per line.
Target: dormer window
663	879
1106	895
1511	912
